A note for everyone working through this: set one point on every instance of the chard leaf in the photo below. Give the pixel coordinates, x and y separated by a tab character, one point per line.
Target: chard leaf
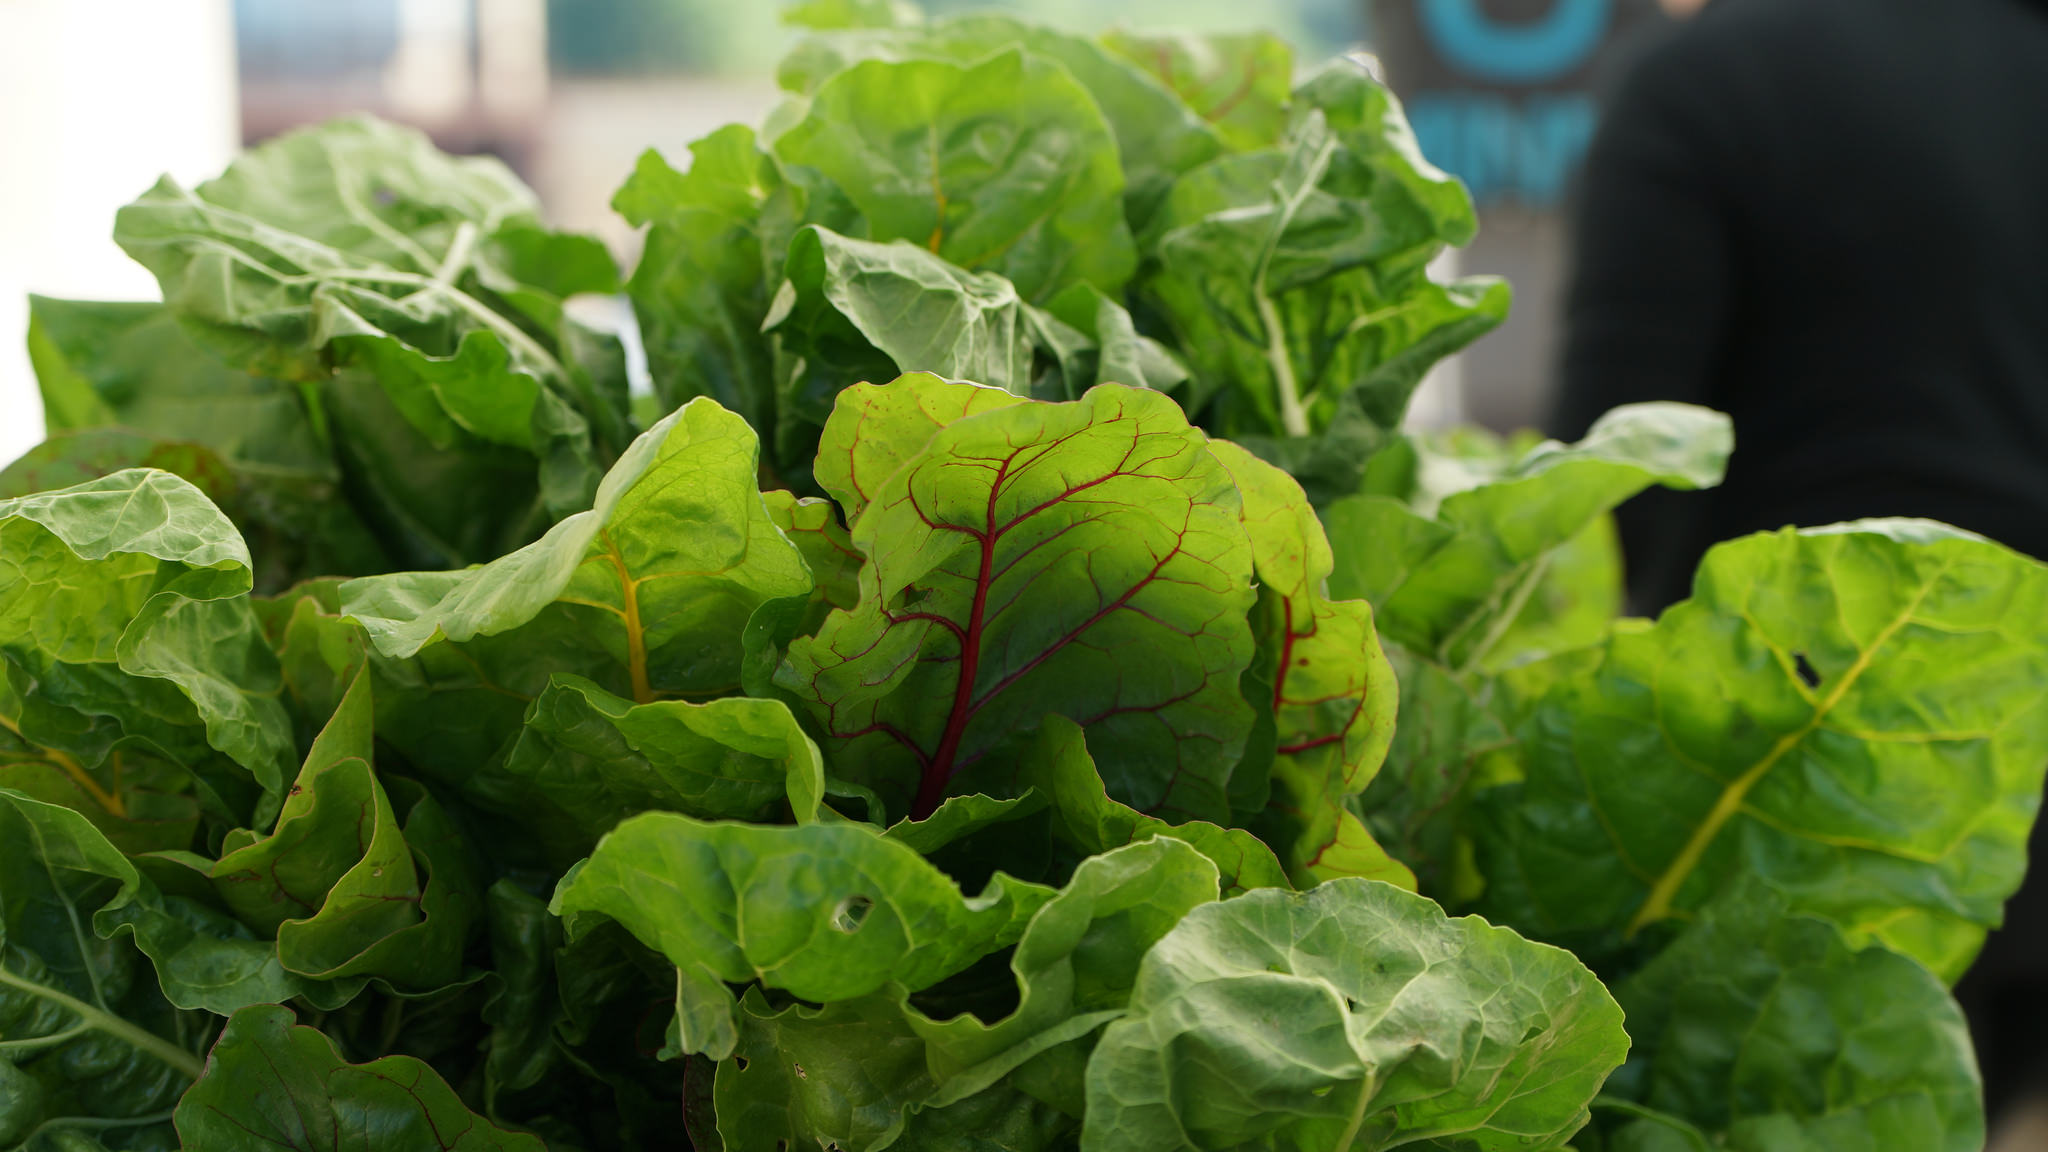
702	286
1454	584
1113	351
823	911
917	1075
878	428
337	881
86	1038
586	759
1060	769
1294	280
1327	685
1082	559
125	623
1158	136
1237	82
1403	1029
357	245
272	1084
1853	714
645	595
123	386
853	311
1004	165
1772	1034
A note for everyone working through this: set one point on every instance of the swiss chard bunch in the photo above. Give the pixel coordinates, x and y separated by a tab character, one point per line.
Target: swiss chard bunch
403	746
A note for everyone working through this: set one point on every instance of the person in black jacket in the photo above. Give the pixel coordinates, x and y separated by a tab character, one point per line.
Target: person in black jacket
1829	219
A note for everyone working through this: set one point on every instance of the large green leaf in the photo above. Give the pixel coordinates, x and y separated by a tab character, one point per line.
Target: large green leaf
646	595
125	623
1773	1035
1353	1017
1858	715
271	1084
701	288
86	1039
882	1071
1083	559
1453	581
131	390
587	759
1322	678
357	245
823	911
1003	165
1158	136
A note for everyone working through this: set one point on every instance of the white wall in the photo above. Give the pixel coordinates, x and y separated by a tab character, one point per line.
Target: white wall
97	99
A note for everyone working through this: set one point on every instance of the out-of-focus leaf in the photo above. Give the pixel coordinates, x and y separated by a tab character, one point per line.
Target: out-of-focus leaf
125	623
86	1039
1403	1029
702	288
1003	165
1114	351
272	1084
1325	681
830	14
822	911
123	386
1454	585
1158	136
1082	559
357	245
586	759
1237	82
646	595
1857	715
1774	1035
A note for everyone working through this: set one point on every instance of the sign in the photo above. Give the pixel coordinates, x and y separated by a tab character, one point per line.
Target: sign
1501	91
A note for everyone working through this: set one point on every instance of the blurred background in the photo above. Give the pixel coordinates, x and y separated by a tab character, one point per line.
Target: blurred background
99	97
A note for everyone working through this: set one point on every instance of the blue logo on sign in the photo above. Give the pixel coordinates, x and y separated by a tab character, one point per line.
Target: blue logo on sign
1516	53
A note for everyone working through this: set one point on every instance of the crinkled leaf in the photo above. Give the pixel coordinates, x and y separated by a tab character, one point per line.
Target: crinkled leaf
1112	351
1453	584
125	619
271	1083
1854	714
357	244
586	759
1330	691
823	911
1002	165
853	311
646	595
1401	1029
1295	282
1773	1034
1082	559
86	1038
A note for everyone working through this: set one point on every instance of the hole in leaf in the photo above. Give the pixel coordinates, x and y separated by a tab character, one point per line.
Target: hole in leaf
740	1062
851	912
383	197
1807	674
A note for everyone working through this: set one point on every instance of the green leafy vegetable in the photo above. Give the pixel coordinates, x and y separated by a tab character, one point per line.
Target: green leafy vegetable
1013	685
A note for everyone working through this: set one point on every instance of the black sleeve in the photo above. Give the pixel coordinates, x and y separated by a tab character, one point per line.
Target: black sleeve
1647	301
